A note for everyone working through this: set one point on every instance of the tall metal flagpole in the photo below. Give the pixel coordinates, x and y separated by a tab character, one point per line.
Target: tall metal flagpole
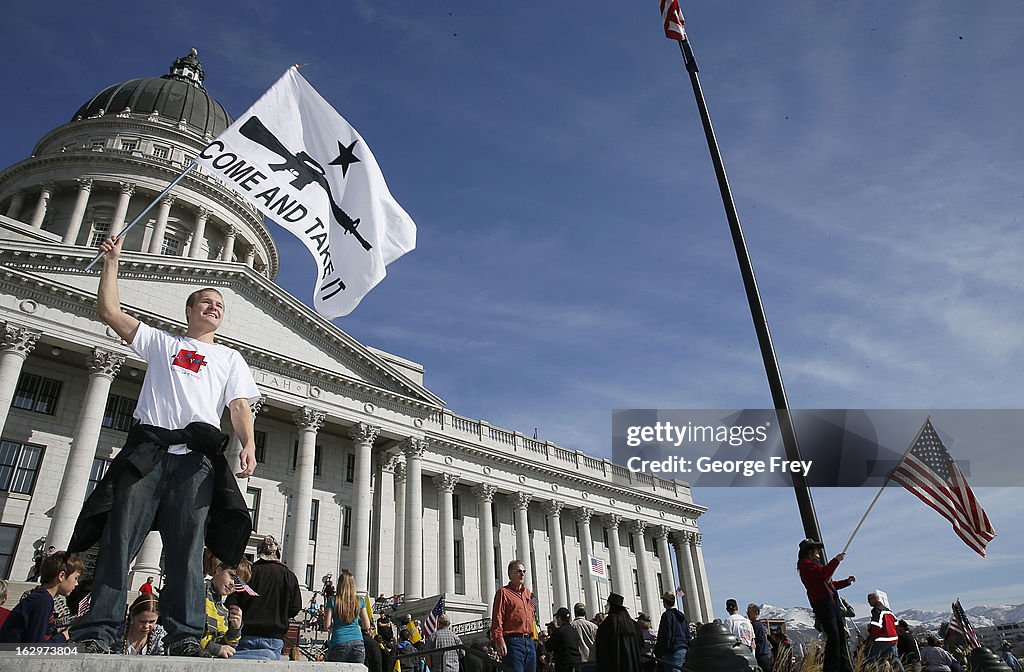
764	338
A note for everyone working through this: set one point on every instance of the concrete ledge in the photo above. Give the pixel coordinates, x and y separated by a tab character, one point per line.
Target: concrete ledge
113	663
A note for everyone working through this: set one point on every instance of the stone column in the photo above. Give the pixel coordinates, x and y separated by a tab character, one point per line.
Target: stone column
147	562
621	583
15	347
445	484
668	577
382	565
702	578
414	449
160	229
400	481
17	202
78	211
229	243
103	367
684	558
553	510
363	436
198	233
250	256
586	550
309	421
521	504
643	570
121	209
485	496
42	205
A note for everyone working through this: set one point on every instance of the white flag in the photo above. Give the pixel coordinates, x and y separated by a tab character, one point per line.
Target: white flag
296	159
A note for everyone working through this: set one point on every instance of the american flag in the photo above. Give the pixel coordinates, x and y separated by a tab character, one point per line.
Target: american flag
958	623
83	605
673	19
243	587
930	474
430	625
598	568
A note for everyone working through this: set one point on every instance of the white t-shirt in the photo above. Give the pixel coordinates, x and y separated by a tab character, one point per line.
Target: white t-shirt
740	626
188	380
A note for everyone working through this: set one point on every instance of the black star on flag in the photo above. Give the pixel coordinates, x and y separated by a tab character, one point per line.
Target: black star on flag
346	157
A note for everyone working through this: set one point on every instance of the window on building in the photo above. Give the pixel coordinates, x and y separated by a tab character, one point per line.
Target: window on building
161	152
346	528
632	546
636	583
655	549
350	467
316	459
604	535
576	529
547	526
99	468
458	557
260	439
494	514
456	507
97	144
171	247
119	413
497	565
129	145
8	543
100	231
310	573
19	465
661	587
35	393
314	518
252	501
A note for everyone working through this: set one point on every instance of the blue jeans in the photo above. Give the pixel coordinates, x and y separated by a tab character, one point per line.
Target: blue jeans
176	494
522	654
677	657
349	652
254	654
250	643
885	650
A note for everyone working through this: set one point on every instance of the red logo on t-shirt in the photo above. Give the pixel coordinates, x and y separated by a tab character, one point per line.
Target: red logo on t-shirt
189	359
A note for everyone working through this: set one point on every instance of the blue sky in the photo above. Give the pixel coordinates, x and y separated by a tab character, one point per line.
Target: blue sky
573	254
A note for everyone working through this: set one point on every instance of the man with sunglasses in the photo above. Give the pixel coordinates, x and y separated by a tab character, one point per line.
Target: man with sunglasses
512	621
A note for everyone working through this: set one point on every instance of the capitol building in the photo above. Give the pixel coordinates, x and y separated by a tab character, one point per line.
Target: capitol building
361	466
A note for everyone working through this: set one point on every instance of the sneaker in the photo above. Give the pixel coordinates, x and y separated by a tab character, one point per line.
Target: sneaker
189	648
91	646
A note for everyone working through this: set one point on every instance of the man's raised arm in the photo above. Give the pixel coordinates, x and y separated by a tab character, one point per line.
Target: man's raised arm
108	298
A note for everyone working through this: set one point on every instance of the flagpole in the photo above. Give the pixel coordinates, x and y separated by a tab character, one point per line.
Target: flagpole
886	482
149	207
803	493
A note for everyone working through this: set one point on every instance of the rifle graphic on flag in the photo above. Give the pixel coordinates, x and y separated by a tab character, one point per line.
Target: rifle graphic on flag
293	157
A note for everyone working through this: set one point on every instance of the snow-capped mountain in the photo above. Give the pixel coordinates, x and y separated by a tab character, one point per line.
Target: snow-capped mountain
800	620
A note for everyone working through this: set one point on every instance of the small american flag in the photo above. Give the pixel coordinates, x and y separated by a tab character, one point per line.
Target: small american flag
958	623
430	625
243	587
673	19
930	473
598	568
83	605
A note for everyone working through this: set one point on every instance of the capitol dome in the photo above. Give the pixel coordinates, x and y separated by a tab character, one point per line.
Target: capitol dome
178	96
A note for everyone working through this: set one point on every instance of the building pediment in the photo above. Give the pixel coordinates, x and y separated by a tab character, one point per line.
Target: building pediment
276	333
